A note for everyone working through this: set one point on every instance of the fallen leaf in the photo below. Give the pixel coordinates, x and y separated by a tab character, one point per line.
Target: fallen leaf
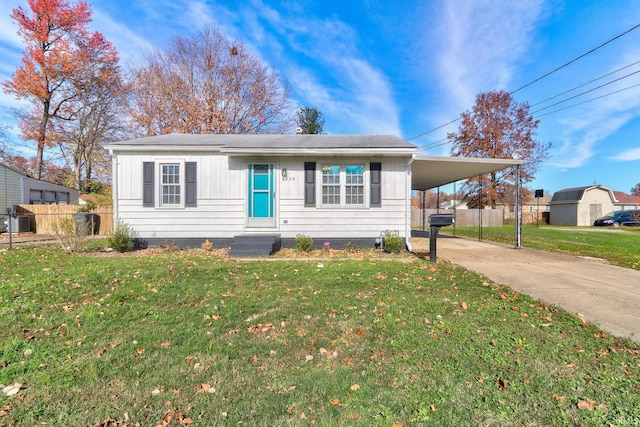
205	388
165	344
13	389
335	402
463	305
433	407
355	387
559	398
586	404
501	384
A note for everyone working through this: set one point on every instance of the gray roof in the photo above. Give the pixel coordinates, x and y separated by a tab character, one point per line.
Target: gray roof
574	195
247	142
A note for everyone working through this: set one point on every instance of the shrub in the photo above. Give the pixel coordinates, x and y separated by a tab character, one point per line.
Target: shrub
207	245
122	238
304	243
70	235
393	244
350	247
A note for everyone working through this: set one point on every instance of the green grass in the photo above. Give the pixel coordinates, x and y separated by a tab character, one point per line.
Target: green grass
619	246
199	339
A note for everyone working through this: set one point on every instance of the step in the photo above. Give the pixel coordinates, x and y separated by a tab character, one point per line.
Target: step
254	245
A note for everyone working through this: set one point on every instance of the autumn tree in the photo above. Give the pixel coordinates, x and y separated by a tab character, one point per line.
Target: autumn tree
49	29
207	83
635	190
310	120
94	114
498	127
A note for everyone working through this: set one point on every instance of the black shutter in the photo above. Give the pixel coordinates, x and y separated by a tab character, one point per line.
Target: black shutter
148	189
191	195
309	184
375	182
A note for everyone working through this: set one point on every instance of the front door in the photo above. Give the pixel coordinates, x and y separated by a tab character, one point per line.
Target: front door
261	200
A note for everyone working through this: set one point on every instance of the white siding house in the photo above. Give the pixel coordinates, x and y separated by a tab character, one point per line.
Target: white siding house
580	206
336	188
17	188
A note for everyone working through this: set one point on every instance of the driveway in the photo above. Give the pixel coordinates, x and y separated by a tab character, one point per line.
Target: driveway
603	294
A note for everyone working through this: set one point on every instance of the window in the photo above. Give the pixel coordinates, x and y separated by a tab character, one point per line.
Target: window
354	190
170	184
331	185
343	185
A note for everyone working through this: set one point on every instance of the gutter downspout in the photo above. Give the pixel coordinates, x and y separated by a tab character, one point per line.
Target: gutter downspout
407	209
114	188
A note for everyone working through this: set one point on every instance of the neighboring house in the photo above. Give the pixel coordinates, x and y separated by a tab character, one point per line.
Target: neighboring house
580	206
454	204
186	188
17	188
625	202
534	210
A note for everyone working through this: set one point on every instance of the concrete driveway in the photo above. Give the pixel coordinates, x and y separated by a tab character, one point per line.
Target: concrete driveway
603	294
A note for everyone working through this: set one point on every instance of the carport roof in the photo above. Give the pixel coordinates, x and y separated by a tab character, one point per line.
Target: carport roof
431	171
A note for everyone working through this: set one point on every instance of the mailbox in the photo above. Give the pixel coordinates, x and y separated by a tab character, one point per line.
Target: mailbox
440	220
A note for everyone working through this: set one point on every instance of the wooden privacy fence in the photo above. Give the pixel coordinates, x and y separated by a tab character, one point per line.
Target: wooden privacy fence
463	217
43	218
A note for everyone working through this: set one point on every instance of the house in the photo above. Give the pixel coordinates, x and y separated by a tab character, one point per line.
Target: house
17	188
625	202
454	204
580	206
186	188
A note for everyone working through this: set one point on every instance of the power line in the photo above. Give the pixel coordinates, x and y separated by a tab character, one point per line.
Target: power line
586	83
585	92
444	141
540	78
575	59
588	100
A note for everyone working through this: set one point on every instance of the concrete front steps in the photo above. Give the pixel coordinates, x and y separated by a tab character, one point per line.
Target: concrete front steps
254	245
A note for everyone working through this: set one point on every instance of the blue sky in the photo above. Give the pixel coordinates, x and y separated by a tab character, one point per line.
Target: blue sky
407	67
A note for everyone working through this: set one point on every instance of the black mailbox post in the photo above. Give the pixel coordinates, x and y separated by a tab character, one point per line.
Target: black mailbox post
435	222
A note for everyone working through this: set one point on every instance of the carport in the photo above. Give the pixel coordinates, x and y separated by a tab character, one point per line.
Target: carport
429	172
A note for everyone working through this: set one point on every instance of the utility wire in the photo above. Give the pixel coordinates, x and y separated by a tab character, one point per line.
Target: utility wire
576	59
585	84
444	141
585	92
539	78
588	100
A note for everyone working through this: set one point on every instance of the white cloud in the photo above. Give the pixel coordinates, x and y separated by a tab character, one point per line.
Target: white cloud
628	155
480	44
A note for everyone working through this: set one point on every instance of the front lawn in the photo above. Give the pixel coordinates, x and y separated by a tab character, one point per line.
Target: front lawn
617	245
162	337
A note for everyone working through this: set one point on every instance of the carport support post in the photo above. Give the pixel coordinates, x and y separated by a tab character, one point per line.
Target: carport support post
518	236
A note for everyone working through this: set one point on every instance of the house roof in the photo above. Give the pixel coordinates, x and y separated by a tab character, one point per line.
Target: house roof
270	144
575	195
623	198
426	171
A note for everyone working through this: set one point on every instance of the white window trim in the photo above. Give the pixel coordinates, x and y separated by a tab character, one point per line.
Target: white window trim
165	162
343	185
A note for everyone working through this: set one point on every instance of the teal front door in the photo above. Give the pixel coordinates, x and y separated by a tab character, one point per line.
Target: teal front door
260	208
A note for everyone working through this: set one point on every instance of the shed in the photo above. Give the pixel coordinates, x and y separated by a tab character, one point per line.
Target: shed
580	206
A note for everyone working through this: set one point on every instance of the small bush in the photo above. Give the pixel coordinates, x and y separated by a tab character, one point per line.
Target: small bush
122	238
70	235
393	244
304	243
207	245
350	247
